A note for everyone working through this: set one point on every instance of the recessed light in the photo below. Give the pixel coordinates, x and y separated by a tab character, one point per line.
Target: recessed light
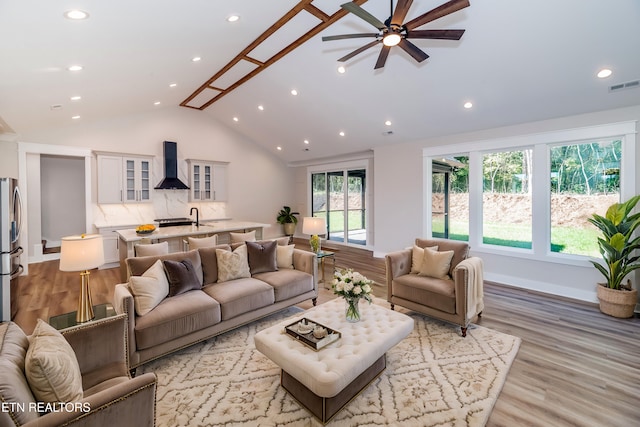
306	141
294	92
196	59
468	105
233	18
235	119
604	73
76	14
173	84
279	148
75	117
260	107
342	69
388	123
75	98
341	133
156	103
74	67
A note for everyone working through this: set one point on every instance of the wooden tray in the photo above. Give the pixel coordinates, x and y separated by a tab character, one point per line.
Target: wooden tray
308	339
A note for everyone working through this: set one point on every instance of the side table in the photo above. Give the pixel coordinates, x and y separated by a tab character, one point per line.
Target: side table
322	255
67	320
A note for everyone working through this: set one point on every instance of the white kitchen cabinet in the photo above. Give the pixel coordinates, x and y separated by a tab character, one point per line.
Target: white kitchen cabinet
207	181
124	178
111	243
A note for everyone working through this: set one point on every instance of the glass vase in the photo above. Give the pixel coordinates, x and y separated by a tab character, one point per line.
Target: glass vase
352	309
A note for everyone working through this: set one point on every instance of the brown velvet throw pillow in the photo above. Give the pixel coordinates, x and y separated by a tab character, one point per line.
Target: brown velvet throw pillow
182	276
262	256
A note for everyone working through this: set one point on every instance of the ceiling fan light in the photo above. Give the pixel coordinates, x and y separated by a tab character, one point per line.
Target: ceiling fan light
391	39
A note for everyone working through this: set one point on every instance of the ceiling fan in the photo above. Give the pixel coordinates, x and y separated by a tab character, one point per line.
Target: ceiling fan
393	32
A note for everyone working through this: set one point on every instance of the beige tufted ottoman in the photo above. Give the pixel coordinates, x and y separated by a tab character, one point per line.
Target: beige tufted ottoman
325	381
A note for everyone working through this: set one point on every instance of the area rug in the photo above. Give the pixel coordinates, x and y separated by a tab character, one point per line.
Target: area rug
434	377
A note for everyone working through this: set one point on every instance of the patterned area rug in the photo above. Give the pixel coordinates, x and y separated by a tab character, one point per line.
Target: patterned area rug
434	377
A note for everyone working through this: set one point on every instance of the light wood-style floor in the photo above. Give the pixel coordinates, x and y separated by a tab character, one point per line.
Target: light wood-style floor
575	367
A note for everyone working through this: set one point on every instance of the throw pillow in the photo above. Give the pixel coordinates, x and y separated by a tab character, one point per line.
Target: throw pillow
182	276
202	242
262	256
51	366
153	249
284	256
243	237
417	256
232	265
149	289
436	264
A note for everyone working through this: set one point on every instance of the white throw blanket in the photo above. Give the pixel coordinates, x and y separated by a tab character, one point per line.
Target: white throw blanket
475	297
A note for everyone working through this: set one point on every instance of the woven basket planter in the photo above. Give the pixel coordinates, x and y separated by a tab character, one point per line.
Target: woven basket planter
617	303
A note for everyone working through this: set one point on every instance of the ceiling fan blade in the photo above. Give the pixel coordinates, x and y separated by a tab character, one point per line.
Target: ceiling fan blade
435	34
413	50
359	50
402	7
363	14
349	36
440	11
382	58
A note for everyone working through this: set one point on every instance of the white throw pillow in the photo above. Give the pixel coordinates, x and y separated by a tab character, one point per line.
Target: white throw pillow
149	289
243	237
153	249
284	256
202	242
51	366
417	256
232	265
436	264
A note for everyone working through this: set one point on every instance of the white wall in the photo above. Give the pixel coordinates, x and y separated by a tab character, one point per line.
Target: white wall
400	201
259	183
8	157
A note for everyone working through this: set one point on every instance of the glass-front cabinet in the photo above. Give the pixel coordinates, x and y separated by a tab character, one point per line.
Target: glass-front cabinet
124	178
137	180
207	181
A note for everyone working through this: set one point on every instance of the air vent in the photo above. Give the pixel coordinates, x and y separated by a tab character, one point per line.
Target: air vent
387	133
55	107
622	86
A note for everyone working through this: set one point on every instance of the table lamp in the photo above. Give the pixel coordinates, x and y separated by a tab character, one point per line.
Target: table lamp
82	253
314	226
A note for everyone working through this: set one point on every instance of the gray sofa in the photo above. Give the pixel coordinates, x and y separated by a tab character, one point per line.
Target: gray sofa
185	319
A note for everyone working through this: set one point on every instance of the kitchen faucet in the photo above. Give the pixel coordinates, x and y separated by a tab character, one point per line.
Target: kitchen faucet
197	216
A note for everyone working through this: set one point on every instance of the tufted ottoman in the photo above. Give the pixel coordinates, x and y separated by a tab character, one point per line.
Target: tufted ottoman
325	381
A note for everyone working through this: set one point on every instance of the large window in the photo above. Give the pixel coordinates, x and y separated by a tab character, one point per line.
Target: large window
506	198
585	179
339	197
450	198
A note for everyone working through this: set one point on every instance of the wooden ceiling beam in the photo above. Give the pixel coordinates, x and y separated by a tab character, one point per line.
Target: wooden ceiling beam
326	21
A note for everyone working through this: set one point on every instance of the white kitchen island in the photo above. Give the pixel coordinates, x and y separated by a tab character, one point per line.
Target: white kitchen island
175	235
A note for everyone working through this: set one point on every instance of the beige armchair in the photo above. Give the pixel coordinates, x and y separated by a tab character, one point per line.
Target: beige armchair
111	396
455	297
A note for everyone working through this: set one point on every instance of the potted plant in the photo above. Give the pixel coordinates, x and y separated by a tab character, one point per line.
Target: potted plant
288	219
617	247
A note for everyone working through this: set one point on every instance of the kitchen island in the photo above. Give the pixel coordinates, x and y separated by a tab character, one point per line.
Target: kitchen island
176	235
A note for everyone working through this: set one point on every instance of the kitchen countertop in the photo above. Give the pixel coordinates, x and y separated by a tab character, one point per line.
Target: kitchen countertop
130	235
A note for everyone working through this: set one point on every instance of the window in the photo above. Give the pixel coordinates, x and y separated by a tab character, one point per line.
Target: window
450	198
506	198
585	179
339	197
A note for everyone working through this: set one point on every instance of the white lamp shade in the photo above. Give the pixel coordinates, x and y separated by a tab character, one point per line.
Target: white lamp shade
79	253
314	225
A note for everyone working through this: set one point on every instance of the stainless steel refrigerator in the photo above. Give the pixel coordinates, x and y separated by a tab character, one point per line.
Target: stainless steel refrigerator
10	250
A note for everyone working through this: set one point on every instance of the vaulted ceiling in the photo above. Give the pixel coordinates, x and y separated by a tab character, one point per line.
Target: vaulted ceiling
518	61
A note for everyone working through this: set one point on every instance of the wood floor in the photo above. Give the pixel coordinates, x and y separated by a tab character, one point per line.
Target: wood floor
575	367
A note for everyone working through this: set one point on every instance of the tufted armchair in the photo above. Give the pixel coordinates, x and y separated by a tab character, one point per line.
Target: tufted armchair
454	296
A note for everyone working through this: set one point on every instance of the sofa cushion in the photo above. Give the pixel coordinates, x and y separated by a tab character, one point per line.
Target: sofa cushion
51	366
202	242
262	256
209	262
233	265
181	276
243	237
284	256
428	291
13	383
149	289
153	249
417	255
436	264
138	265
240	296
287	283
175	317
